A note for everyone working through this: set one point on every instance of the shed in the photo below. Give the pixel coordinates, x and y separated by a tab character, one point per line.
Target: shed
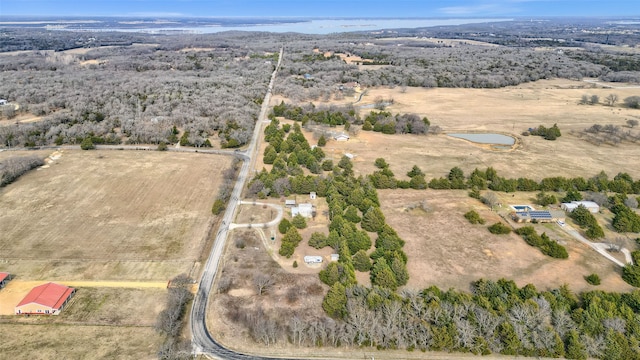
341	137
590	205
4	278
313	195
289	203
3	102
46	299
313	259
335	257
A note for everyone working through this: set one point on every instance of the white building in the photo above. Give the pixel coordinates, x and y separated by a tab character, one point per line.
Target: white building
306	210
313	259
3	102
341	137
590	205
313	195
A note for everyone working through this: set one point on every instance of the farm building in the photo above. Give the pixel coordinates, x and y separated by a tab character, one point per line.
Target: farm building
46	299
341	137
4	278
290	203
313	259
306	210
590	205
538	216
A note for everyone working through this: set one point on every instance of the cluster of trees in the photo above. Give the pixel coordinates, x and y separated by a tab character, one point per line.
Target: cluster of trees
496	317
290	241
499	229
625	219
551	133
610	134
583	217
385	178
228	182
474	217
542	242
331	116
13	167
171	319
135	94
384	122
631	272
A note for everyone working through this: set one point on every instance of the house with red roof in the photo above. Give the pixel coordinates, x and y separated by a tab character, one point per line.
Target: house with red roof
46	299
4	278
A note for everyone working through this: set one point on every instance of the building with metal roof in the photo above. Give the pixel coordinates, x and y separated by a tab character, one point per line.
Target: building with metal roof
46	299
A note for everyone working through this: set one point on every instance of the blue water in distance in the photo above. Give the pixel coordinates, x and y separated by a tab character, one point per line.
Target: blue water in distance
486	138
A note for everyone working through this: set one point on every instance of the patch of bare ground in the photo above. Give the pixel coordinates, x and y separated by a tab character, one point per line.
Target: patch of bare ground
109	215
447	251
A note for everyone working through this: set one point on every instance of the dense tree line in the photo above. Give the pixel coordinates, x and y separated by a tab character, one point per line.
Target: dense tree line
171	319
495	317
13	167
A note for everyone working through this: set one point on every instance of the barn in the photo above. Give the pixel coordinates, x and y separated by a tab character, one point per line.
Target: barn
46	299
590	205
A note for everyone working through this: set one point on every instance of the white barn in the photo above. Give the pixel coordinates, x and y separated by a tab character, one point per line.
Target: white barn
590	205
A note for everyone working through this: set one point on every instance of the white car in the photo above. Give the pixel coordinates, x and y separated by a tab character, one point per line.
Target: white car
561	223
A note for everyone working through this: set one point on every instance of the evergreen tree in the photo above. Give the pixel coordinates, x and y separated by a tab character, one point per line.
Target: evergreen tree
284	226
322	141
299	221
335	302
361	261
373	220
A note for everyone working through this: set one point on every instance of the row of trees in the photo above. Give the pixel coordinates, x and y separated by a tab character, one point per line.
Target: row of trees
542	242
495	317
13	167
622	183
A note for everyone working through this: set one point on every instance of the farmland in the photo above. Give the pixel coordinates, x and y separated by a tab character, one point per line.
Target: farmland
91	217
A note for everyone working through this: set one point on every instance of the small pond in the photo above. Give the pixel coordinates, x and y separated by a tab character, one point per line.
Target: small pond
486	138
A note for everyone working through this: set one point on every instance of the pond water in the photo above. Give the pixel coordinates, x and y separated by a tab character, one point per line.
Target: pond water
486	138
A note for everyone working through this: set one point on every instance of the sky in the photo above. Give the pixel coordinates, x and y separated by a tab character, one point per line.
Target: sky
320	8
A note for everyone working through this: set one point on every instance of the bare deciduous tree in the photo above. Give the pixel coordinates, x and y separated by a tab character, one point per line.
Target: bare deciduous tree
611	99
262	282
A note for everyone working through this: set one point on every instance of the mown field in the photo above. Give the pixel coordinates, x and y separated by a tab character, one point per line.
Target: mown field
92	216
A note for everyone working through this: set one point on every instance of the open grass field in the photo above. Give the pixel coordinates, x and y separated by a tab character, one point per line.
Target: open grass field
55	341
114	224
109	215
446	250
511	111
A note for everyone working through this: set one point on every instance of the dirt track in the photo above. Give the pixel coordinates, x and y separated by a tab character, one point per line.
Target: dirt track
15	290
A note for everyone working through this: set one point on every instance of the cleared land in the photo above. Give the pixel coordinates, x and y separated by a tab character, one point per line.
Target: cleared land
114	224
510	110
109	215
447	251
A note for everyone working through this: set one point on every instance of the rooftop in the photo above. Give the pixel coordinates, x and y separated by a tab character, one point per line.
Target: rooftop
3	275
51	295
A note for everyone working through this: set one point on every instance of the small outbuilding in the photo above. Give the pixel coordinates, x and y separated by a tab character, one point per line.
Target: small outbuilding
313	195
313	259
341	137
46	299
4	278
3	102
290	203
590	205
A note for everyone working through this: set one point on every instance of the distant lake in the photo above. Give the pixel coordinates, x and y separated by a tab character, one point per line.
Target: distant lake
206	26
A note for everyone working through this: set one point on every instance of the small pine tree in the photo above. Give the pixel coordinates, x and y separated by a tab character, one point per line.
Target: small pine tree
322	141
87	144
295	264
284	226
299	221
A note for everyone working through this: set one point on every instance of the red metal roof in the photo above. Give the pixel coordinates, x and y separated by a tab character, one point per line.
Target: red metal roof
3	275
51	295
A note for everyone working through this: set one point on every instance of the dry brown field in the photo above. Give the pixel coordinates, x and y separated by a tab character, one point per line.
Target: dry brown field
510	111
446	250
114	224
109	215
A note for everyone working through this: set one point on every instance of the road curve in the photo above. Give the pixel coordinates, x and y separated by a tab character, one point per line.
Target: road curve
271	223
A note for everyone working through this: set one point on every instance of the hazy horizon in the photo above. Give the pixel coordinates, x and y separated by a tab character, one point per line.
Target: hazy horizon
319	9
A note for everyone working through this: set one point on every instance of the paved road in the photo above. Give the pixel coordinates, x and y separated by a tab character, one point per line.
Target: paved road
203	342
